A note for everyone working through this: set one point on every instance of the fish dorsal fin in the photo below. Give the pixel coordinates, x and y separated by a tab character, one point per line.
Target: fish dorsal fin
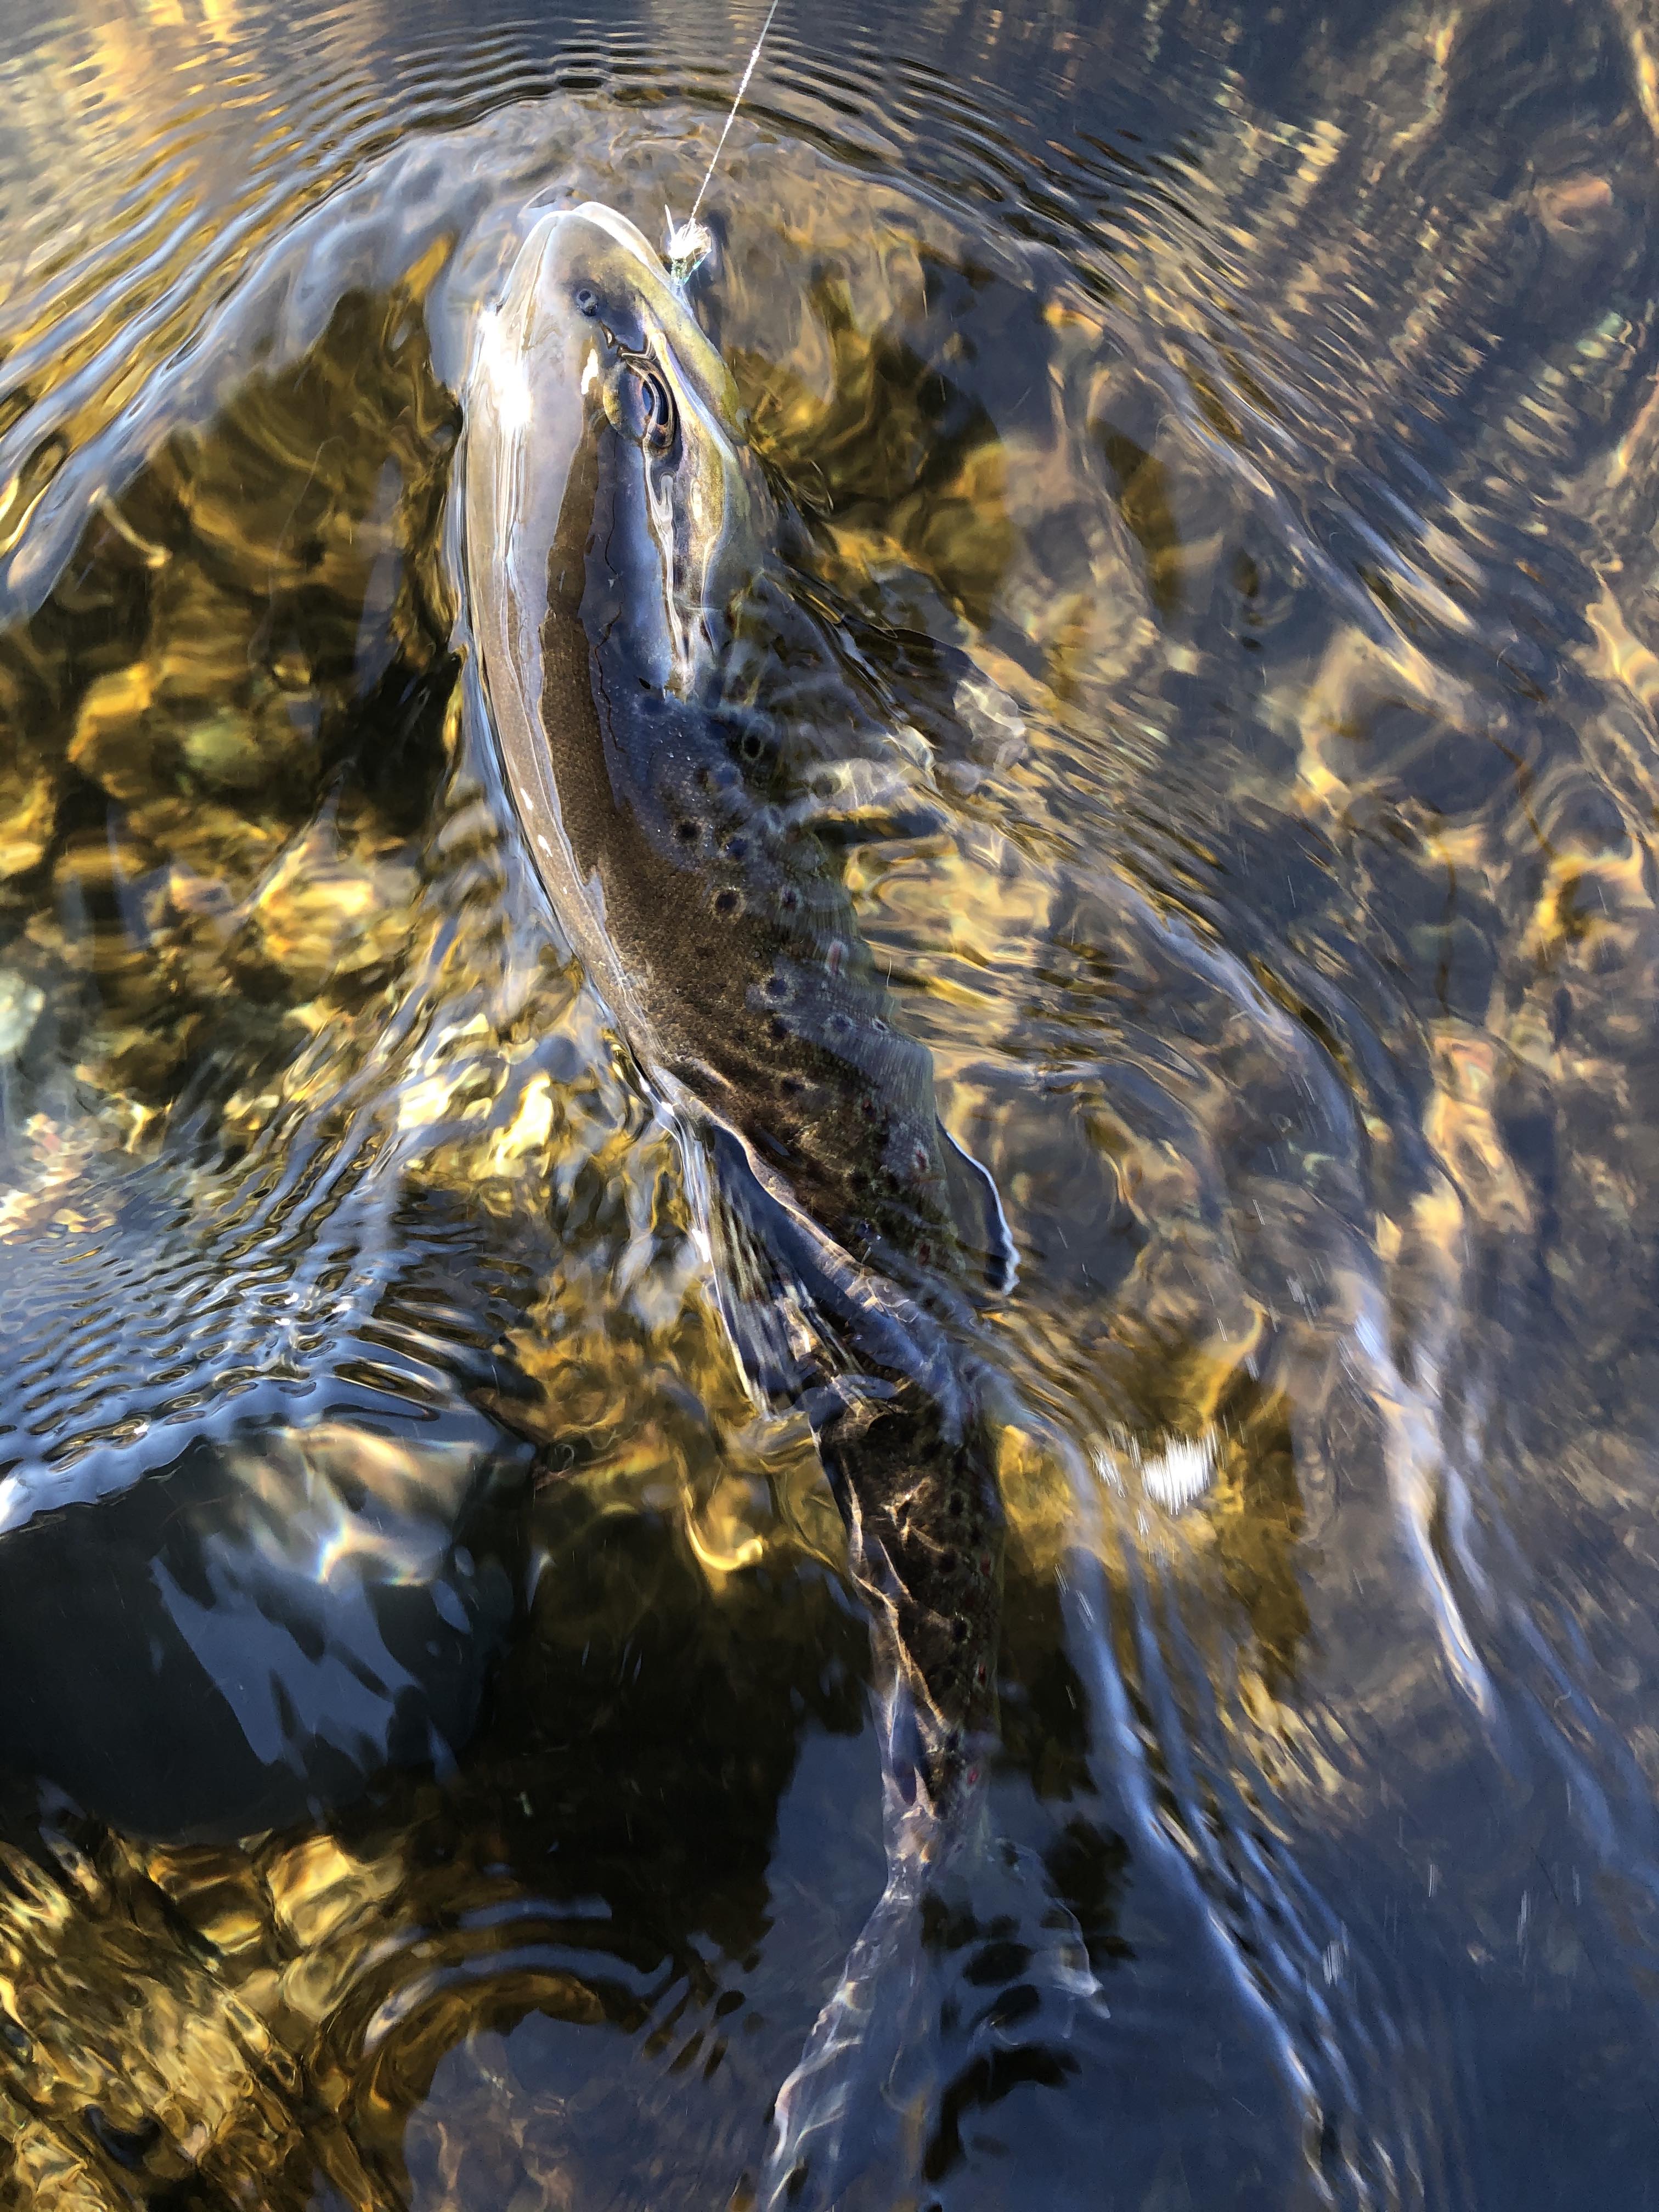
980	1222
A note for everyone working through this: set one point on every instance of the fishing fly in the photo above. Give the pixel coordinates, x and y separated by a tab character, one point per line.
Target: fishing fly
688	243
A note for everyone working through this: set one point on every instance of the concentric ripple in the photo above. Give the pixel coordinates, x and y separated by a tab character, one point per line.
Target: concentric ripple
434	1768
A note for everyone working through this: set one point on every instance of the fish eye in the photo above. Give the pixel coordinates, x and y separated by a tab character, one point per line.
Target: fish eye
656	405
641	403
588	300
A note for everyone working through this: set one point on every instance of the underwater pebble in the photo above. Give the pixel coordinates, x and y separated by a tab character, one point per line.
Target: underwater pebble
28	811
108	744
224	749
19	1008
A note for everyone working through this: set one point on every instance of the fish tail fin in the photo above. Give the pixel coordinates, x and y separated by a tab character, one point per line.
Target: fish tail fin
848	2106
963	1986
1014	1972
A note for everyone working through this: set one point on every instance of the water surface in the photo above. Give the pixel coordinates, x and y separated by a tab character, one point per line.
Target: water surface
437	1767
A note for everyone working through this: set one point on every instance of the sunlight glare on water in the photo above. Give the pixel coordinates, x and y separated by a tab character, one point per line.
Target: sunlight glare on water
435	1762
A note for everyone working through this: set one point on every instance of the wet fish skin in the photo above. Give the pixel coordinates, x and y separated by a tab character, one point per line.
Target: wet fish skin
756	986
686	850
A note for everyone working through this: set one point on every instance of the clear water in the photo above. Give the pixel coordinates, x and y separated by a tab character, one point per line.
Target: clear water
435	1765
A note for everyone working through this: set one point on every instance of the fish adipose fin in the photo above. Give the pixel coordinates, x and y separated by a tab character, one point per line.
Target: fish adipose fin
980	1222
962	1988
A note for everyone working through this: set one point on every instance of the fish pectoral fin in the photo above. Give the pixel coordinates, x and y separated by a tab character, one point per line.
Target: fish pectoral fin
811	1327
980	1222
769	1311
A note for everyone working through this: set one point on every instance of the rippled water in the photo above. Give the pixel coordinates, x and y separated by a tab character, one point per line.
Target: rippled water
435	1765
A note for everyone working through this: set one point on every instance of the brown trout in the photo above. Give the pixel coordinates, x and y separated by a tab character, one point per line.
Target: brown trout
618	533
624	589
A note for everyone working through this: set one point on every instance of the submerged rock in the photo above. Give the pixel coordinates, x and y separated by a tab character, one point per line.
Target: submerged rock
248	1634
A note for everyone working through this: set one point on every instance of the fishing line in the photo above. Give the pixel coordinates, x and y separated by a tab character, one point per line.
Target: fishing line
691	241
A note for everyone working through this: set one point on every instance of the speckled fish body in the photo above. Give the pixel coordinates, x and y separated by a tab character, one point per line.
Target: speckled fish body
618	530
678	843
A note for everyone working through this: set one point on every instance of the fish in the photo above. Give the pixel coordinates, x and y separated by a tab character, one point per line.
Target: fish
623	588
616	522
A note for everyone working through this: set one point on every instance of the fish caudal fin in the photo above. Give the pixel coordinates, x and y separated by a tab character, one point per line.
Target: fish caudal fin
963	1987
858	2099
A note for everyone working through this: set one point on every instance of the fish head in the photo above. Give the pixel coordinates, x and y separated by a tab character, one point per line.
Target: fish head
606	413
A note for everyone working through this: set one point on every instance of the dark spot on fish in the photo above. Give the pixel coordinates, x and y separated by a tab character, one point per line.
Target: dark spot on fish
686	832
823	786
749	747
839	1025
776	989
959	1629
788	899
778	1030
728	904
736	849
954	1509
791	1086
878	1026
868	1107
587	302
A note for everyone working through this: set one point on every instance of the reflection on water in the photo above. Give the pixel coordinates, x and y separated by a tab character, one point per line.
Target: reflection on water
436	1766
